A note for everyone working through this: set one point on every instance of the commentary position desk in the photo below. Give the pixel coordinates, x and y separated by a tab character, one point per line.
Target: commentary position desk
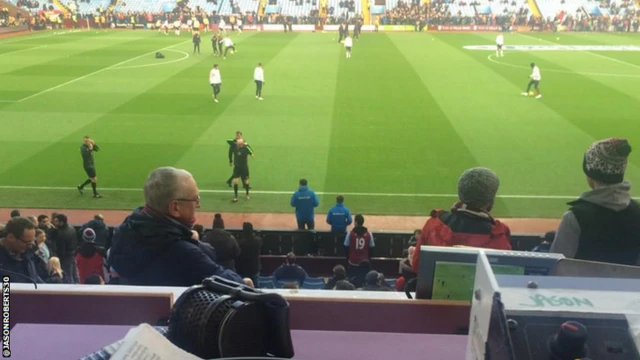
312	310
67	342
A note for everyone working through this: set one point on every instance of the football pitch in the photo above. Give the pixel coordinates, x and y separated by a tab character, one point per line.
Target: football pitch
391	128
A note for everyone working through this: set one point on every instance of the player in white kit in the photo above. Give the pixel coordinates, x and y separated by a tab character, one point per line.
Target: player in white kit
348	44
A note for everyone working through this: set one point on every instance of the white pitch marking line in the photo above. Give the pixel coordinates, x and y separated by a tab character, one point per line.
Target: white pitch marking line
20	38
21	50
490	57
97	72
542	197
156	64
591	52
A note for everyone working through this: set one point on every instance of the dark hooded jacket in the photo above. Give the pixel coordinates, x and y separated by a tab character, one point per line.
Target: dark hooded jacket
154	250
101	230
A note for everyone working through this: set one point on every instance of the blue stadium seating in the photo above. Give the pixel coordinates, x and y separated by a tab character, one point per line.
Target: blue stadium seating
266	282
391	282
313	283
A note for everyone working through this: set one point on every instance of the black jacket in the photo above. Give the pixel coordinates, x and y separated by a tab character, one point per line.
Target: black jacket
101	230
248	263
66	240
226	246
292	272
148	250
30	266
608	235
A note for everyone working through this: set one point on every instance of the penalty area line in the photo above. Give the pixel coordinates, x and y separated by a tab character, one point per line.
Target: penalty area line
267	192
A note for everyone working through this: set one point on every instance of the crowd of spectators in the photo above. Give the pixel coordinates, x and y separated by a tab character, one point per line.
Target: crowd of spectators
620	16
160	244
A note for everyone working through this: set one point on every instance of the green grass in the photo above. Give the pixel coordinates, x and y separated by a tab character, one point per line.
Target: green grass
454	281
405	115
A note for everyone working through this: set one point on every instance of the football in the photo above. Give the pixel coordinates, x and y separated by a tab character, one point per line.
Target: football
531	93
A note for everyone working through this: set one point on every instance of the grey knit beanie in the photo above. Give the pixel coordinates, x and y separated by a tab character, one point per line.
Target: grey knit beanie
606	160
477	187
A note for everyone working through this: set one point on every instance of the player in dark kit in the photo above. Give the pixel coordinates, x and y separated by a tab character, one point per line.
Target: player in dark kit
341	33
87	149
196	43
220	43
214	44
241	167
357	29
232	148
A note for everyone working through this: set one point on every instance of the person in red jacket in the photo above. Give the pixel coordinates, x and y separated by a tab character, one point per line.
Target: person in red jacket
469	222
89	256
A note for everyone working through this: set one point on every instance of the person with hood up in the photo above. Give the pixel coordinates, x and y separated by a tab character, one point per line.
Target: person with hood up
604	223
305	201
155	246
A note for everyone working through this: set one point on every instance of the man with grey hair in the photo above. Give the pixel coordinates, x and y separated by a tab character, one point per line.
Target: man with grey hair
468	222
155	245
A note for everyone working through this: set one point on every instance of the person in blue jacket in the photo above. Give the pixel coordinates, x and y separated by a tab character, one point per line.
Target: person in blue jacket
155	245
305	200
339	217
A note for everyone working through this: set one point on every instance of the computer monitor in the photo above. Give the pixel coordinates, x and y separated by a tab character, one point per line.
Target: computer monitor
448	273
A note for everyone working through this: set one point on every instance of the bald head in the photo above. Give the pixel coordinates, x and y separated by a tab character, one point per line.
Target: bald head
166	184
240	142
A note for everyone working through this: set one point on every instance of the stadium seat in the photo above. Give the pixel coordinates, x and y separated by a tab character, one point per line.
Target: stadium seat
313	283
266	282
391	282
279	284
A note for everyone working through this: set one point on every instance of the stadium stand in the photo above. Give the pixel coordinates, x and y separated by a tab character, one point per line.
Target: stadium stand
225	7
34	5
345	9
550	8
86	8
296	7
248	6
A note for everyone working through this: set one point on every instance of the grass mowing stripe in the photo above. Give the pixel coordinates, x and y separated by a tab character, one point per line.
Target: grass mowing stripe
119	132
503	129
145	117
276	127
96	72
22	50
388	134
580	100
32	36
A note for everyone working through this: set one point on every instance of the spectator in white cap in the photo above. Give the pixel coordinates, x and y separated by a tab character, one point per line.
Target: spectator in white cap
89	256
604	223
469	222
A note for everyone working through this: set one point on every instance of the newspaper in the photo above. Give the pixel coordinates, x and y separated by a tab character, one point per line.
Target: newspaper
142	342
145	343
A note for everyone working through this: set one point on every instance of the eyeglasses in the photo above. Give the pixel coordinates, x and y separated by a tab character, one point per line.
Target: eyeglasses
27	242
196	200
